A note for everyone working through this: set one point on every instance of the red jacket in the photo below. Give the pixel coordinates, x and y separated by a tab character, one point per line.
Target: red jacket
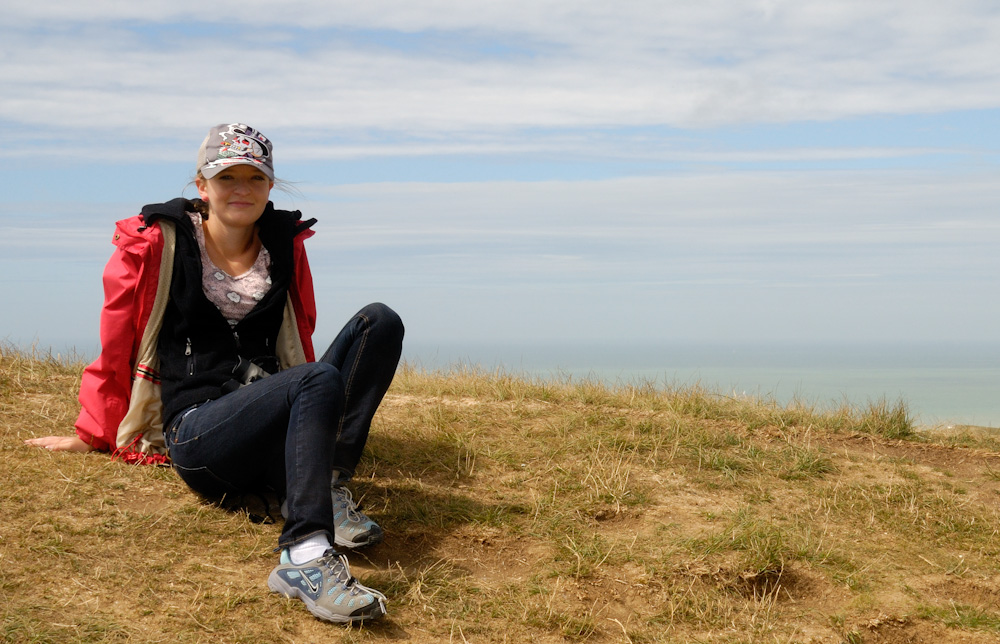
130	283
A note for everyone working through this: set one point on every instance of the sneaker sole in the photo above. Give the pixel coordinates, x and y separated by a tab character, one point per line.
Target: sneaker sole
277	584
344	543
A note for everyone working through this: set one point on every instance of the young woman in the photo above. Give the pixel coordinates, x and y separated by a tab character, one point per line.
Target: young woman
207	360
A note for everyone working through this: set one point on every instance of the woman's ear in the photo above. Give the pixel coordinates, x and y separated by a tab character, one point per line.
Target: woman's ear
202	184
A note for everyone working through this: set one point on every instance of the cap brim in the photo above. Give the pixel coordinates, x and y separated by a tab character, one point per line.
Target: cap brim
209	170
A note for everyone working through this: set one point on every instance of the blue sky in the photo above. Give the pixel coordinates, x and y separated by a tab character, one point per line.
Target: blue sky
534	172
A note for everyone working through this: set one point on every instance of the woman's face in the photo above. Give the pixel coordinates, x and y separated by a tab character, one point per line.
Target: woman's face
236	196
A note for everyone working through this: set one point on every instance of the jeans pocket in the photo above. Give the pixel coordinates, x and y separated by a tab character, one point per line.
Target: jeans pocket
172	430
205	482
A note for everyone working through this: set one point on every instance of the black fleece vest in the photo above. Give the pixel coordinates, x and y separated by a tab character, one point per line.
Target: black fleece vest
199	351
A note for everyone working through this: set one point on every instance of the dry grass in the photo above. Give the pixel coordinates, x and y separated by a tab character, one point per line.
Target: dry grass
529	511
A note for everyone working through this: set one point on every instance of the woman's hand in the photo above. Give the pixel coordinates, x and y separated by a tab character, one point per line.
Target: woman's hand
60	443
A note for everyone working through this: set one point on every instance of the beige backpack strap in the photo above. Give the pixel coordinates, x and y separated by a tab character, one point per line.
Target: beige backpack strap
142	428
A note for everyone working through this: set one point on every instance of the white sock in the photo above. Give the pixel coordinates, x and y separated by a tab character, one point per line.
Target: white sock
311	548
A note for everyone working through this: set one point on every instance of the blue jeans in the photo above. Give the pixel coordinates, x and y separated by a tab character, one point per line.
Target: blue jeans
289	431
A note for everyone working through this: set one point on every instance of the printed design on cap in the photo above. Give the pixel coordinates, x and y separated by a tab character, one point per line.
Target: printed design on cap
242	141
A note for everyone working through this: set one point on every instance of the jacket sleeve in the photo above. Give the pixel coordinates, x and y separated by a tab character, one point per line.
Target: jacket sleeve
107	382
304	298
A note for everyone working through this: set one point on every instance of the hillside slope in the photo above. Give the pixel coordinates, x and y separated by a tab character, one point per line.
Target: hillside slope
522	511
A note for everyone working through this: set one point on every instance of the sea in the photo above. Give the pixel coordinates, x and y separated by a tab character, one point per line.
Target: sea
942	385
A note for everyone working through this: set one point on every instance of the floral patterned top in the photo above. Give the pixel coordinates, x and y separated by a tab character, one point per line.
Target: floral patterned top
234	295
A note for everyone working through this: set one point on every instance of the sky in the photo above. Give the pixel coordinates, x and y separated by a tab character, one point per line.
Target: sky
533	172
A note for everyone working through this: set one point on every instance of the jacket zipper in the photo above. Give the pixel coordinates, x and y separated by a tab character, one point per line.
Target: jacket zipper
190	358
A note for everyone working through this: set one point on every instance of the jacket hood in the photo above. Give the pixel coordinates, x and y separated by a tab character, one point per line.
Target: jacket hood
176	210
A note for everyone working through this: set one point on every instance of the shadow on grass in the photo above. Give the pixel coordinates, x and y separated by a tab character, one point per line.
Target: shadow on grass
411	488
424	489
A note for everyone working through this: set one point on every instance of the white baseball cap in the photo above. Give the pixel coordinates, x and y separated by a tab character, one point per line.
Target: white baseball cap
229	144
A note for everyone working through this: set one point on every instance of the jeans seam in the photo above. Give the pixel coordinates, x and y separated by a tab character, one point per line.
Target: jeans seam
214	427
352	371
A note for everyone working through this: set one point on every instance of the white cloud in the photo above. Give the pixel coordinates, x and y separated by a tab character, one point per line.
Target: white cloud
762	255
792	227
553	64
865	251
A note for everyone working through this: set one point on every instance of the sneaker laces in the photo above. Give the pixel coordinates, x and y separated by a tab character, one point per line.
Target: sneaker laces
337	564
347	501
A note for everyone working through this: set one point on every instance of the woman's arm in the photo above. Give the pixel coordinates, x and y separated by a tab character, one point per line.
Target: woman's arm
303	297
130	279
60	443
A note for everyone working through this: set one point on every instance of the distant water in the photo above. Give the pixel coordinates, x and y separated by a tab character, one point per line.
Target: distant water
941	384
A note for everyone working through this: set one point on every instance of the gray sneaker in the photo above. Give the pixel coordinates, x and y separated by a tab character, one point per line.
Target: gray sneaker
327	588
352	528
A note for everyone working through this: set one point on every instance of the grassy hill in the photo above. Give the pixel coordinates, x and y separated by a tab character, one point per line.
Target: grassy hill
528	511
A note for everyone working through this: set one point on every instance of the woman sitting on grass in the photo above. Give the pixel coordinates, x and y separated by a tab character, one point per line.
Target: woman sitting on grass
207	360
